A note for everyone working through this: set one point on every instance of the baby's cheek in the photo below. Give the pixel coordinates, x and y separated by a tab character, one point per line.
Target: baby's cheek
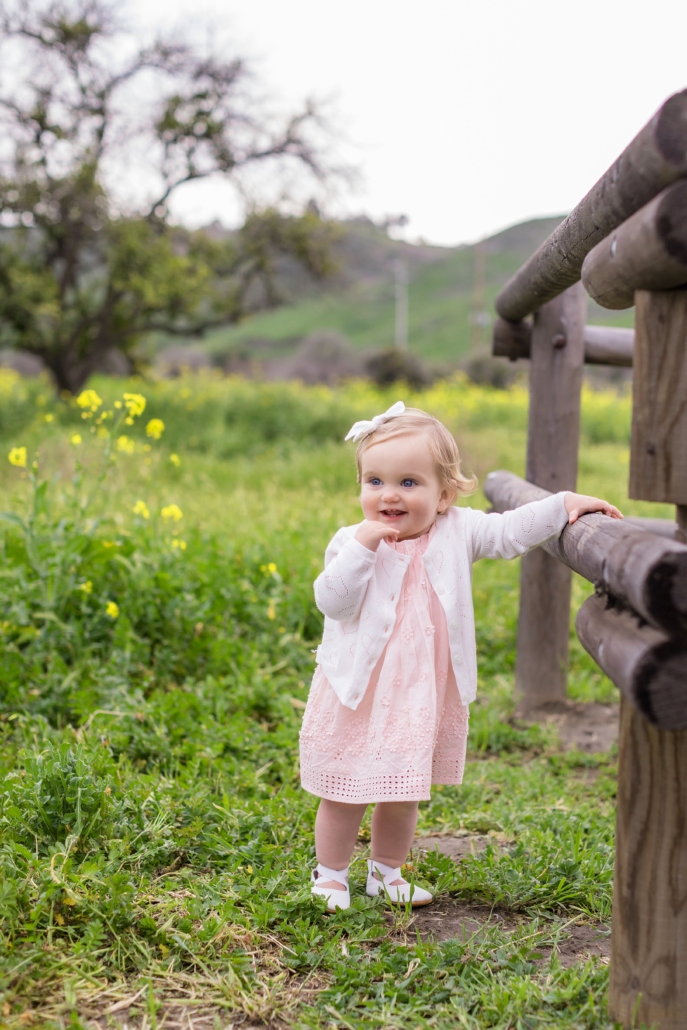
368	506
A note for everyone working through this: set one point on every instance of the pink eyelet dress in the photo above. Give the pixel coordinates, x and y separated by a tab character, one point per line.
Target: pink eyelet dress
410	730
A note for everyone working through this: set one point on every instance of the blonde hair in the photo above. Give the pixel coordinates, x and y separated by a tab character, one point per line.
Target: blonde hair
442	447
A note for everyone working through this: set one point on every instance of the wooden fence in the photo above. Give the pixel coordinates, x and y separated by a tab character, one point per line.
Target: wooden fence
625	243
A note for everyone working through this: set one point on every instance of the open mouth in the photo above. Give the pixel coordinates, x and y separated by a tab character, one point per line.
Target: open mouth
393	513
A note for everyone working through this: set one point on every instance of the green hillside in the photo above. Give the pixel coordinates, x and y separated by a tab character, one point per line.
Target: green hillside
444	292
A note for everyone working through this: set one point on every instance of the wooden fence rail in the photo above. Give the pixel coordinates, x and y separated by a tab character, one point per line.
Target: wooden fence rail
603	345
627	243
644	571
656	158
639	638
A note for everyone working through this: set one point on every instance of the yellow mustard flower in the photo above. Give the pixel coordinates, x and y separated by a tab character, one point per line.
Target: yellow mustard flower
125	444
271	614
175	460
271	567
135	403
103	433
117	404
155	428
181	544
76	439
49	417
141	508
17	456
172	511
89	399
112	609
87	587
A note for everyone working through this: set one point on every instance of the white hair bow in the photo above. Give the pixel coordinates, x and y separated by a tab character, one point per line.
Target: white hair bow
365	427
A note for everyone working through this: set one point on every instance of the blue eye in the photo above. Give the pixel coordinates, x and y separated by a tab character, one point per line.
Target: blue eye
408	482
375	481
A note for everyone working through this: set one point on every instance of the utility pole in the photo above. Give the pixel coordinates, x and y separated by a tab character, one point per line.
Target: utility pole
401	293
479	316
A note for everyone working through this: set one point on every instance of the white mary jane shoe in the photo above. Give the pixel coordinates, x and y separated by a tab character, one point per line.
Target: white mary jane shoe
336	898
400	894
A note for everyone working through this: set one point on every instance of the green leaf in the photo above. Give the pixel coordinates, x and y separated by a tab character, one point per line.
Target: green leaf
9	516
51	617
40	499
125	562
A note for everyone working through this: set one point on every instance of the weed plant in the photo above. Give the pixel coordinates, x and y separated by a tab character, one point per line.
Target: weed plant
157	626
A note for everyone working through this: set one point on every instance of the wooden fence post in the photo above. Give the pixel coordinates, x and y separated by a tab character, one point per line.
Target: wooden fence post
658	453
648	986
648	983
557	357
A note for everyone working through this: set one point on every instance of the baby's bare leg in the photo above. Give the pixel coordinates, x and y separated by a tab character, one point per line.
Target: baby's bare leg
336	831
393	829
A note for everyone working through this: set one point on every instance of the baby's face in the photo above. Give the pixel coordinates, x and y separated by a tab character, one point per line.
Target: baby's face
400	486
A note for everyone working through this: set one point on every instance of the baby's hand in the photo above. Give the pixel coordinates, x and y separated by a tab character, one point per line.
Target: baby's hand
370	534
580	504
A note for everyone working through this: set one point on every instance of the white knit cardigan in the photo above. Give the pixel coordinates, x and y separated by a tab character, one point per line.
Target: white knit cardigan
358	590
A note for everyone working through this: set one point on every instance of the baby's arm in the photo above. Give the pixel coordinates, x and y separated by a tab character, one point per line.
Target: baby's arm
340	589
516	532
580	504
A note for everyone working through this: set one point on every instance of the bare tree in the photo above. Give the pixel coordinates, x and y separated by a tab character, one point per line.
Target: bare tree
84	271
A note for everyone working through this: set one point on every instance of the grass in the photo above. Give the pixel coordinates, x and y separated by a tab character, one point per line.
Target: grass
154	840
440	299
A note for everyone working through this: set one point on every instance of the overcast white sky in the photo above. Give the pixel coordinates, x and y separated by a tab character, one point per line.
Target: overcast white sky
466	115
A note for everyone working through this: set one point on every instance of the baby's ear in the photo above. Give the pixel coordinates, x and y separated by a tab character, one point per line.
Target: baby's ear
446	500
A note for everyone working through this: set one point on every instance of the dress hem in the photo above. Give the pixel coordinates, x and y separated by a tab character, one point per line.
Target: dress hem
373	799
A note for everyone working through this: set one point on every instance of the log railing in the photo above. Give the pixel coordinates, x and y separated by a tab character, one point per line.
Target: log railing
656	158
603	345
636	626
625	243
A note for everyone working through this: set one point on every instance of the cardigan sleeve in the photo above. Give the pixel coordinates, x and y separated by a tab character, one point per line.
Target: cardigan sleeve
516	532
348	567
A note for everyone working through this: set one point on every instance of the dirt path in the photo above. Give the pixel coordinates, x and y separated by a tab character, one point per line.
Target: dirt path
583	727
450	918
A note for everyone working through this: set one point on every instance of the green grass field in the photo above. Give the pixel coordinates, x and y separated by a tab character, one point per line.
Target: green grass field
156	627
440	297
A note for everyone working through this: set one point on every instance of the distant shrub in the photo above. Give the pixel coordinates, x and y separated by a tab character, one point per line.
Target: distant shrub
326	357
485	370
391	366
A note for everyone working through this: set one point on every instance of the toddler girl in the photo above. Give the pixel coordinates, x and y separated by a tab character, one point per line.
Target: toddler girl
387	714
